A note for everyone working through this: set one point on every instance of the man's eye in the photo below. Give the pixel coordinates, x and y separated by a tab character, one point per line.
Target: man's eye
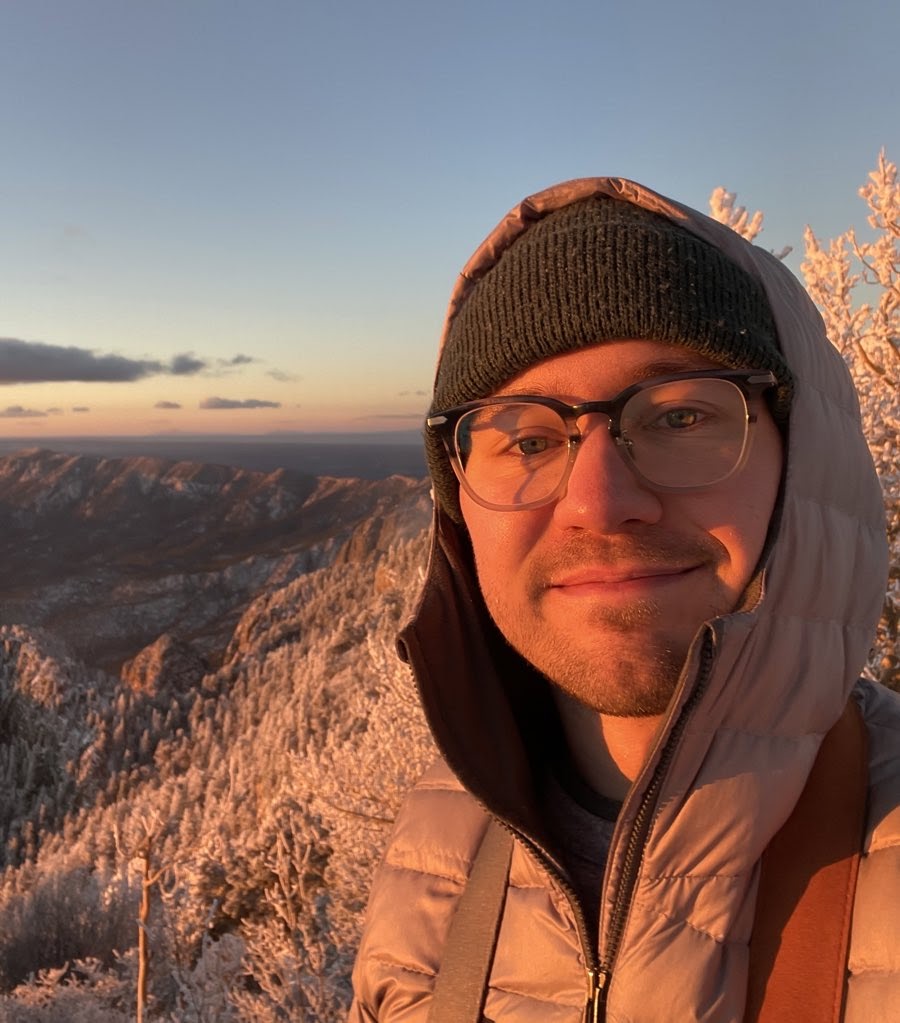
679	419
535	445
531	445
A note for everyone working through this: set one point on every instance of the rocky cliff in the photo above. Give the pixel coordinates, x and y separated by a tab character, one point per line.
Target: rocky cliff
110	554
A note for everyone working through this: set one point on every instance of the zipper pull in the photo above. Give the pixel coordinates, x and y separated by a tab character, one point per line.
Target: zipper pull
597	981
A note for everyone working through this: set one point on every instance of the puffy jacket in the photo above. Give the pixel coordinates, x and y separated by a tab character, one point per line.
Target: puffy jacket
760	688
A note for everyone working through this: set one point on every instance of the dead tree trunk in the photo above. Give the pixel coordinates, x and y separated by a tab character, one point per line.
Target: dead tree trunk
147	882
142	851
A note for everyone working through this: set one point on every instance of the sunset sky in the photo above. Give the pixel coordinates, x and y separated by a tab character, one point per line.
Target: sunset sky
246	217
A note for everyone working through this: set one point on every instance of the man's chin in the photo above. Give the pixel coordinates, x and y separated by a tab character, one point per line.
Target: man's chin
636	683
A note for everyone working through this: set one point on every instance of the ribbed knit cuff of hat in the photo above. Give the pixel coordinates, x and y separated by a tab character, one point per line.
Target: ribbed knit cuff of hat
600	269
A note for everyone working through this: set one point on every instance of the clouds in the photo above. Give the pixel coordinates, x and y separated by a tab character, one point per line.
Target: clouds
282	377
17	412
213	403
218	404
33	362
233	403
24	362
185	365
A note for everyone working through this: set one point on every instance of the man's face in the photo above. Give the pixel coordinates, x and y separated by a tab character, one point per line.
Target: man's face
604	589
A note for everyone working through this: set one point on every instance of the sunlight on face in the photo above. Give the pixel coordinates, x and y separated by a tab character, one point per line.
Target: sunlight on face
604	589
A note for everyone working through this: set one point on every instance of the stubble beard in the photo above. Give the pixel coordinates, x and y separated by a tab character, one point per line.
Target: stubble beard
621	661
624	668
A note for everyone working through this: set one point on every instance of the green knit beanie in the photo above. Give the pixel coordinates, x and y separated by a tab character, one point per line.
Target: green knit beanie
600	269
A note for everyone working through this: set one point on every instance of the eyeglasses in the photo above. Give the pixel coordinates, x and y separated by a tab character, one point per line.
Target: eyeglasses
681	432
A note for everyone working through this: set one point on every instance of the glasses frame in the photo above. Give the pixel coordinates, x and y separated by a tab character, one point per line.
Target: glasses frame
752	383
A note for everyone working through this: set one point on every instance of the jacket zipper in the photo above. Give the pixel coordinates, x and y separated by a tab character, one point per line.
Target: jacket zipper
599	974
596	998
544	858
598	981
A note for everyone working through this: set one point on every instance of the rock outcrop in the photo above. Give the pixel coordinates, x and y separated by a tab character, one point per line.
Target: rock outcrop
110	554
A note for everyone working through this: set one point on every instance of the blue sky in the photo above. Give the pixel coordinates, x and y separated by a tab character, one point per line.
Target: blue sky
285	191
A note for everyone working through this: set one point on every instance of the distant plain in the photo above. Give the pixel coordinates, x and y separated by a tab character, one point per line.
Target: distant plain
359	456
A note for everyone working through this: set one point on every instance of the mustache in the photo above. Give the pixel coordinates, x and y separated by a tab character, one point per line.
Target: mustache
666	549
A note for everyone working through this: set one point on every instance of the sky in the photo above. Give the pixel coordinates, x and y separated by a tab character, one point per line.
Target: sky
246	217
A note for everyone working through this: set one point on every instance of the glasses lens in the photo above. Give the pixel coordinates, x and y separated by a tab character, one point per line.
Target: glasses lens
512	454
679	433
686	433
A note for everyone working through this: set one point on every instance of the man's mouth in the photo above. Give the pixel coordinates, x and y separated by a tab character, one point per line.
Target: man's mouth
615	575
620	582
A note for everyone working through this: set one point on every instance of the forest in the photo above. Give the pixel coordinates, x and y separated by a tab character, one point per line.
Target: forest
241	818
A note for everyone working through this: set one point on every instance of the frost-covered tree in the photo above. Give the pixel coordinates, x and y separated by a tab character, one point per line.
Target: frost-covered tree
855	283
722	207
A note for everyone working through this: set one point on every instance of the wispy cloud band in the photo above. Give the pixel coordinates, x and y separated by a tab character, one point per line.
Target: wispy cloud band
35	362
234	403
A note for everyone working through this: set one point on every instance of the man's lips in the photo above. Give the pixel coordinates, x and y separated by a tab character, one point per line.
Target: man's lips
618	577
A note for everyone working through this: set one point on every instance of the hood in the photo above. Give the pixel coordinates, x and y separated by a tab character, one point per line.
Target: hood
782	668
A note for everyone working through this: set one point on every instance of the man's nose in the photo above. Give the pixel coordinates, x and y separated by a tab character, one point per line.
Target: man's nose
603	493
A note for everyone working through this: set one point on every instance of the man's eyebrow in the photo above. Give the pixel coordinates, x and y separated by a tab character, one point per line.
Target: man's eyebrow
667	367
648	371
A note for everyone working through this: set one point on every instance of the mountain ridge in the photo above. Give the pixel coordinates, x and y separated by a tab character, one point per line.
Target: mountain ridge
111	553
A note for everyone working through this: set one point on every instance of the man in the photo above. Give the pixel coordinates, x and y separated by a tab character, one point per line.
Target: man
658	558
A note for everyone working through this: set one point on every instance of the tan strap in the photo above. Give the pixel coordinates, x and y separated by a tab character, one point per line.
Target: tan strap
461	985
801	933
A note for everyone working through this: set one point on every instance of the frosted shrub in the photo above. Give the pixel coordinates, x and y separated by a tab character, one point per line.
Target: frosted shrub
204	992
298	971
86	993
66	916
722	208
855	284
